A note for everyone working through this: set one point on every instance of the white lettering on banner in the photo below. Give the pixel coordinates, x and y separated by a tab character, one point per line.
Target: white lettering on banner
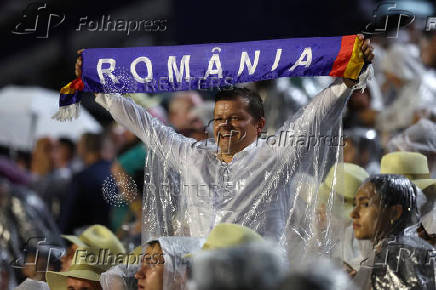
178	72
214	61
245	59
277	59
108	71
172	68
307	53
147	62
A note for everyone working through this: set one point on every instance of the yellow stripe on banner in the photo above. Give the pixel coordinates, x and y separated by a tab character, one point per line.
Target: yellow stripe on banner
67	90
356	62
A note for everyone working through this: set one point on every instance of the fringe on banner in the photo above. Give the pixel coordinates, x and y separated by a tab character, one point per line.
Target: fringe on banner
69	102
67	113
366	75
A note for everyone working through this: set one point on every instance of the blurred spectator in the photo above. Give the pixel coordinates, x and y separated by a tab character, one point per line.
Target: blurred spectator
414	166
321	274
42	161
128	171
12	172
359	112
421	138
54	186
95	236
63	152
82	274
24	160
362	148
85	204
24	220
428	49
39	260
347	177
252	266
181	114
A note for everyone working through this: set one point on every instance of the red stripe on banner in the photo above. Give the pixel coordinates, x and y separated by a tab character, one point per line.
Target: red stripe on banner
77	84
343	57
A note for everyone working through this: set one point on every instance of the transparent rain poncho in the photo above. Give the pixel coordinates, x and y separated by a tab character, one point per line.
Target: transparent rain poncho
399	259
175	251
188	190
421	137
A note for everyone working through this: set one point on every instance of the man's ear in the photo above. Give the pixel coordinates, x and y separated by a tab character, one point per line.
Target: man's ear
260	125
396	212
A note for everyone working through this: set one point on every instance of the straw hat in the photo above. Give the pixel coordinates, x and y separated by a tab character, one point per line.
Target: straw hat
228	235
349	177
412	165
97	236
83	267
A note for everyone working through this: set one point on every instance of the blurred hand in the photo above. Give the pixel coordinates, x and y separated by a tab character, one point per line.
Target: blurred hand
367	49
350	271
78	66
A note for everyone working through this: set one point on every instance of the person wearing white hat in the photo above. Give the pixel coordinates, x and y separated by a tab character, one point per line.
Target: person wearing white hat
413	165
95	236
349	177
165	264
165	261
84	272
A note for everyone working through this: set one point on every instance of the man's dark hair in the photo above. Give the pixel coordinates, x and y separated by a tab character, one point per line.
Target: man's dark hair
69	144
255	103
93	142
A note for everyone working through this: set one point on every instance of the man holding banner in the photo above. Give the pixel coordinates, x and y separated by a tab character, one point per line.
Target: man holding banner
237	177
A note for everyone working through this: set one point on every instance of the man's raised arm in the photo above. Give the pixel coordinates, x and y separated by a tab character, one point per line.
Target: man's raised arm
325	109
161	139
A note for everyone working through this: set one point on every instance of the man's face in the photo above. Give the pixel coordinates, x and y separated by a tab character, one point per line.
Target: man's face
234	127
366	212
82	284
181	113
81	150
150	275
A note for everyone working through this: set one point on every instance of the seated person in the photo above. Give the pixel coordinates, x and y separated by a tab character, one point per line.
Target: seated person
82	274
349	177
163	266
385	212
414	166
165	263
95	236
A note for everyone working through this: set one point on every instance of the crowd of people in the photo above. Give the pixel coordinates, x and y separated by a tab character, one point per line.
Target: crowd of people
79	214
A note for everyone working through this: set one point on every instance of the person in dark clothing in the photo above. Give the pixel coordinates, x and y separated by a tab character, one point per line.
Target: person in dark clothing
86	204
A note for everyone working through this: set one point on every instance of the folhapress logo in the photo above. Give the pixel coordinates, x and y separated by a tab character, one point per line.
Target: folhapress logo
431	24
388	19
38	19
